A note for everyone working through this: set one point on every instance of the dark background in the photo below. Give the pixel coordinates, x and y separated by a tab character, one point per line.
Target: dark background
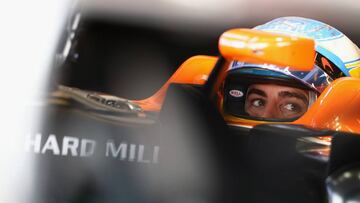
128	60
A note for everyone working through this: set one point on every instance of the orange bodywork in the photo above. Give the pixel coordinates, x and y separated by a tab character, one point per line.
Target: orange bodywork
255	46
194	71
337	108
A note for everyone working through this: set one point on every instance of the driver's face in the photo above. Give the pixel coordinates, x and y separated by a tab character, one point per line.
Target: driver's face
276	101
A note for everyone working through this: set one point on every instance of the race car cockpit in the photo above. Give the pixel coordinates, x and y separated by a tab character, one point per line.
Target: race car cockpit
273	118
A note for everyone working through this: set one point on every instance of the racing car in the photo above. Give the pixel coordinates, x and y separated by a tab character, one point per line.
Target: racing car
201	135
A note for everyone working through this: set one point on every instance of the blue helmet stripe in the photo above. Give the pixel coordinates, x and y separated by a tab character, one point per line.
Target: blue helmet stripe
333	58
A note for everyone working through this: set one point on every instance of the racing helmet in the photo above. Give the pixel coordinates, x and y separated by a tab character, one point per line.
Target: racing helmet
242	92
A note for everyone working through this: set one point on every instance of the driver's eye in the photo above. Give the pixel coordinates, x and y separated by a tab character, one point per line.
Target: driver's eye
291	108
258	102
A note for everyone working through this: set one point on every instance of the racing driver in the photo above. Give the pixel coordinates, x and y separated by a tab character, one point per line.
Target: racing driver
267	92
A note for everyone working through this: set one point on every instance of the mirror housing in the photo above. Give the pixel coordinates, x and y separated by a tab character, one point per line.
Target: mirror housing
255	46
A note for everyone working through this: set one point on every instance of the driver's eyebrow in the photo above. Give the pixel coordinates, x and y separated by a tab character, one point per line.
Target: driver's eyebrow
300	96
257	91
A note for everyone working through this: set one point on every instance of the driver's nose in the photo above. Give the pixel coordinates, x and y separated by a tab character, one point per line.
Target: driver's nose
270	111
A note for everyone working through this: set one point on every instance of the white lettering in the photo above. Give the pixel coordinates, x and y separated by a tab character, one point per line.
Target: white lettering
73	146
132	153
141	155
70	143
51	144
110	148
87	147
35	143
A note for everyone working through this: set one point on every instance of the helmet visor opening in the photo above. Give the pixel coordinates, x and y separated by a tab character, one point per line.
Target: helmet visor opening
262	94
270	102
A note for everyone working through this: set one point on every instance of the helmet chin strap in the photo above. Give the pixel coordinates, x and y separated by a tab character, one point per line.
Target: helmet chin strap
312	98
